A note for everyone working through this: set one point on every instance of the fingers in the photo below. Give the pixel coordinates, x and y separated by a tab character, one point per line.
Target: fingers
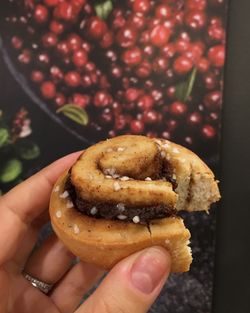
50	262
26	202
70	290
132	285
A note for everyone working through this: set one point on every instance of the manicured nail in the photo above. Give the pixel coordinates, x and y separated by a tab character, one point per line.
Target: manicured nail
149	269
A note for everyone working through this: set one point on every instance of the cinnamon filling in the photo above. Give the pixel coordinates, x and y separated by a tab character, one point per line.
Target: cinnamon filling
119	211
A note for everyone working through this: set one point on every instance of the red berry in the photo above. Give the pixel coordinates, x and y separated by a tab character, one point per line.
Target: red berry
160	64
80	58
208	131
48	90
148	51
215	20
150	117
216	55
116	71
96	27
56	73
194	119
145	103
166	135
17	42
37	76
163	11
168	50
141	6
203	65
195	19
195	51
107	40
49	40
51	3
137	21
171	125
72	79
159	35
43	59
151	134
213	100
178	108
132	94
144	69
171	92
106	116
81	100
86	81
196	4
182	65
60	99
182	45
41	14
120	122
102	99
126	36
216	33
210	81
136	127
65	11
63	48
132	56
56	27
25	57
74	42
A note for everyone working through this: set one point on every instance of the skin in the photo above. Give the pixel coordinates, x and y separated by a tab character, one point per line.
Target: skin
135	282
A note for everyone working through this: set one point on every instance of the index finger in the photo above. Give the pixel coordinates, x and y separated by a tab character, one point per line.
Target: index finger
20	206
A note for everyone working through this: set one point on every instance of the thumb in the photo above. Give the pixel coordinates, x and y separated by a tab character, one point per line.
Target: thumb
132	285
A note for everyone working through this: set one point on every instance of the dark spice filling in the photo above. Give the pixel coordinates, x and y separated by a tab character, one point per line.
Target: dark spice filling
142	214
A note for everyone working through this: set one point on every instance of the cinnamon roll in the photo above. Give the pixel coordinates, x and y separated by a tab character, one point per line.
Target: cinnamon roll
124	194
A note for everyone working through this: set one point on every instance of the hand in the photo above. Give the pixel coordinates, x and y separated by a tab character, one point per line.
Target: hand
131	286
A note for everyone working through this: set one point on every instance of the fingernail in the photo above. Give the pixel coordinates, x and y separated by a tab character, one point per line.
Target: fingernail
149	269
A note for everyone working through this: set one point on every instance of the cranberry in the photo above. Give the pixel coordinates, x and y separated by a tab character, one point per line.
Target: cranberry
72	79
216	55
48	90
65	11
118	22
90	67
189	140
182	45
160	64
168	50
116	71
148	51
178	108
41	14
151	134
163	11
111	55
172	125
195	19
195	52
203	65
43	58
104	82
17	42
145	37
81	100
171	92
60	99
150	117
156	94
37	76
56	27
132	94
141	6
144	69
215	20
120	122
74	42
137	21
196	4
51	3
136	127
107	40
214	117
80	58
194	119
166	135
86	81
126	36
106	116
96	27
56	73
210	81
132	56
49	40
63	48
102	99
145	102
159	35
179	18
182	65
208	131
86	46
25	57
216	33
213	100
112	133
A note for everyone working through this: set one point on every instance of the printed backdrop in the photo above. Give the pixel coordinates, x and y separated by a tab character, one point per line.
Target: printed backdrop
73	72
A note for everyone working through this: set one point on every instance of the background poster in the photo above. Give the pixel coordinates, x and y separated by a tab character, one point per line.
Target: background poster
74	72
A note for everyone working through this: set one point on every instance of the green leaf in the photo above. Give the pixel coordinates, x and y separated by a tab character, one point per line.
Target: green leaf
28	150
184	89
4	136
103	9
75	113
10	171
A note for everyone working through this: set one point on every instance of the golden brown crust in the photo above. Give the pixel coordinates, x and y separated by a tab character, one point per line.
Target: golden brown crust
104	243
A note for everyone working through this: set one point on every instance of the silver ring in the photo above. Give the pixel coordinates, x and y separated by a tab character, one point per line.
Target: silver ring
42	286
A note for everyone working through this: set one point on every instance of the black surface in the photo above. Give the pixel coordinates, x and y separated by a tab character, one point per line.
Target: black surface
232	283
